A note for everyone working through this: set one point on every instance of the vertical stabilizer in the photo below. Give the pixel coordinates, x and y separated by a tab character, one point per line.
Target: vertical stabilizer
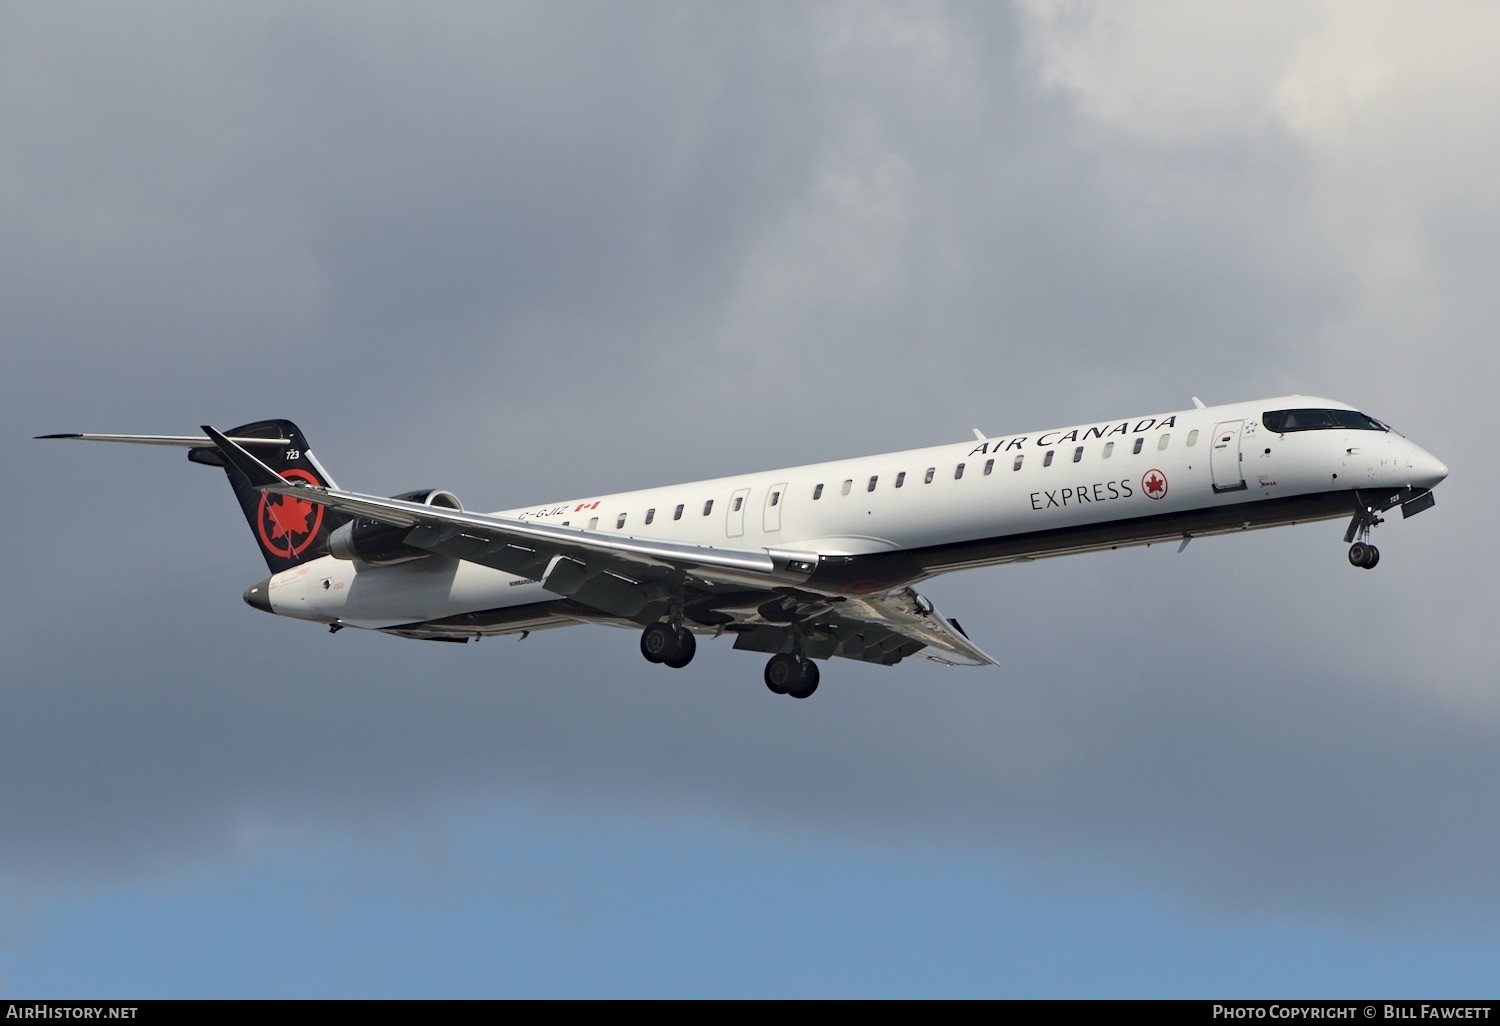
289	530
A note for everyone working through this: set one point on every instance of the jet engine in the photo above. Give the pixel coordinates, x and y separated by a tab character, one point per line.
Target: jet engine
377	544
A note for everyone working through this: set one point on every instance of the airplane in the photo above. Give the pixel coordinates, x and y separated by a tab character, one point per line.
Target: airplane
806	563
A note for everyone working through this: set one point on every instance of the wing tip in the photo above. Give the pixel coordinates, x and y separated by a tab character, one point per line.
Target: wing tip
69	434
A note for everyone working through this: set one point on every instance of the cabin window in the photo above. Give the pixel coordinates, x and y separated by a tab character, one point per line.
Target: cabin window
930	472
620	521
989	467
708	507
739	500
1078	454
818	492
873	479
1109	448
1140	443
901	479
1047	459
1017	464
958	472
567	523
650	515
593	523
1161	443
678	514
848	484
1192	437
775	497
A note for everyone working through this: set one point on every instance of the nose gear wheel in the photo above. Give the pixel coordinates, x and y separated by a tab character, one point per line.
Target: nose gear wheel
1362	554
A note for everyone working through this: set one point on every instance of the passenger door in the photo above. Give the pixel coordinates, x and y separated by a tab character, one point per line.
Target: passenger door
1224	457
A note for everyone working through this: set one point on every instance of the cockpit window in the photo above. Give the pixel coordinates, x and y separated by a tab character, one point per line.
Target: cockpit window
1282	421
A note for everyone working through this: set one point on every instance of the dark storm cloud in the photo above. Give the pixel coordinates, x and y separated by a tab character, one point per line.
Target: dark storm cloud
532	252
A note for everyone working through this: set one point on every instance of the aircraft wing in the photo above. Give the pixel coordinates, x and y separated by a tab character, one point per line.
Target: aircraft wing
502	542
756	594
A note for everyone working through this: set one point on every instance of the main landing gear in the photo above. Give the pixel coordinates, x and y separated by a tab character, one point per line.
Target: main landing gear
792	675
674	645
1362	554
670	644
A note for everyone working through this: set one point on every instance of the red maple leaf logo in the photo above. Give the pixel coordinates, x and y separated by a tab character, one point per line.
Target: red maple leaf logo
1156	485
281	519
289	516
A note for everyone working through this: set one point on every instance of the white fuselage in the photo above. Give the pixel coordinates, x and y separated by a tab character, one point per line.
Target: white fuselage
971	503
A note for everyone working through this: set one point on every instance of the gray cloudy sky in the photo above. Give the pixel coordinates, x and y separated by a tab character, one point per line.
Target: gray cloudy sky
528	251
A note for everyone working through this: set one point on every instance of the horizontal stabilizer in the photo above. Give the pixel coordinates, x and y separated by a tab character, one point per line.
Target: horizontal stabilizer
286	534
183	441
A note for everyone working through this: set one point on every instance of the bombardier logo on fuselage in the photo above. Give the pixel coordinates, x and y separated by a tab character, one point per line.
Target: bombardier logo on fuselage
1058	437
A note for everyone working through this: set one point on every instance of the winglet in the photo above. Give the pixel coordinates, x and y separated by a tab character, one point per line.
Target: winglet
1199	403
257	473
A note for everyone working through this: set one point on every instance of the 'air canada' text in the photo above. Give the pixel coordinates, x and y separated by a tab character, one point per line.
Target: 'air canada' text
1081	434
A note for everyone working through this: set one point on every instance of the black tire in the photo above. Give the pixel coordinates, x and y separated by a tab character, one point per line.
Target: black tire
1372	558
809	682
687	646
1359	554
657	642
782	671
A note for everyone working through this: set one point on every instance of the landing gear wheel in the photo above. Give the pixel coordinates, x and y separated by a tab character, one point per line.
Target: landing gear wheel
1362	554
782	672
809	682
687	645
658	642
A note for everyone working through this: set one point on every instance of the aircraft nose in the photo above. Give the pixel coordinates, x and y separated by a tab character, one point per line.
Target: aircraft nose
1427	471
259	596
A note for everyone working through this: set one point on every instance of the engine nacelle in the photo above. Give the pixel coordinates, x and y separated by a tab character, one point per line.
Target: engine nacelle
370	541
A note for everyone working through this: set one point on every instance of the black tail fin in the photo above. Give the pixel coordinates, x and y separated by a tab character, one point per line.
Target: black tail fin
289	530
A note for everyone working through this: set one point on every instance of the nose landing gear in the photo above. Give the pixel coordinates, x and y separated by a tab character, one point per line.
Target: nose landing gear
1362	554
